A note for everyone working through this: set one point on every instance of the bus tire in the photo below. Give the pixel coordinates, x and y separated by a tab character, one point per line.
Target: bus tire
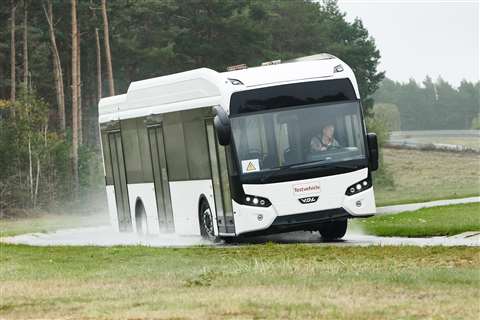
229	240
333	230
141	219
206	221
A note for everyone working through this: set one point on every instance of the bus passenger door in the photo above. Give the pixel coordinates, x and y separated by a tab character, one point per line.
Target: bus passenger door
119	180
221	183
160	178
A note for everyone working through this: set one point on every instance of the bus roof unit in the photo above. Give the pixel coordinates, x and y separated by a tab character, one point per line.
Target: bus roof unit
205	87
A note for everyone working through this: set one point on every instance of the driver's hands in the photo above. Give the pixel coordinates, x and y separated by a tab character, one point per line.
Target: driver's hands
316	146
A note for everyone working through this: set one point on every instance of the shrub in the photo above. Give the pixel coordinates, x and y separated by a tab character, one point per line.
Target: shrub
476	123
388	114
383	177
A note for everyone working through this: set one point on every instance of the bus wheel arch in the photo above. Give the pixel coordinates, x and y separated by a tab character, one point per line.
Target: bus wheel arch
140	217
205	218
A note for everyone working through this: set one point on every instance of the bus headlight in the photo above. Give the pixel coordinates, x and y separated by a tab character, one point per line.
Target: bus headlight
359	186
257	201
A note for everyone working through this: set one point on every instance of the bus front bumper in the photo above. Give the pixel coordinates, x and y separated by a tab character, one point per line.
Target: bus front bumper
260	221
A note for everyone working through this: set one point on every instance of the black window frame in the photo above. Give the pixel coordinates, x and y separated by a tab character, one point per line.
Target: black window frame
291	95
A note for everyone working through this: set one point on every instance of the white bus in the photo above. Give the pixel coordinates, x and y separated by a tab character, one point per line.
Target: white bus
274	148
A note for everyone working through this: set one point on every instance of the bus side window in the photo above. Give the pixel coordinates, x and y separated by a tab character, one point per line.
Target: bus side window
196	144
144	149
175	147
136	151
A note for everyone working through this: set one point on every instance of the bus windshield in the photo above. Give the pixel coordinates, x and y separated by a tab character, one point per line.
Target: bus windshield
300	136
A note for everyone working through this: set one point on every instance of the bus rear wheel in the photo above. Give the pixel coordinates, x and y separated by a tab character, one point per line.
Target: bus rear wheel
333	230
206	221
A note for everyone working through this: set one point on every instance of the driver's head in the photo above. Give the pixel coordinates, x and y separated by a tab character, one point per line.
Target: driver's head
328	131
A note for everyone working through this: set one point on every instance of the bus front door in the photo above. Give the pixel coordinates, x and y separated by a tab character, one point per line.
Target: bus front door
221	183
119	181
160	178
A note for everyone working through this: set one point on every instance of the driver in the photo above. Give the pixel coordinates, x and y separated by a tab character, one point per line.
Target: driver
324	142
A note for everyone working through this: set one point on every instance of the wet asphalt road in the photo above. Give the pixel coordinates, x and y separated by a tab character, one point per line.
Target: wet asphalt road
107	236
358	239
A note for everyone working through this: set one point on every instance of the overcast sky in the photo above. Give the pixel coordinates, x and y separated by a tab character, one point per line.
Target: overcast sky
416	38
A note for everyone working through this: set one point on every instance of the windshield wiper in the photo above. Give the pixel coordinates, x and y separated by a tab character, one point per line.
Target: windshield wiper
267	175
308	164
325	162
345	166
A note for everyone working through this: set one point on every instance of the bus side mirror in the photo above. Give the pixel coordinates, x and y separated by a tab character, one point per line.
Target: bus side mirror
221	122
373	151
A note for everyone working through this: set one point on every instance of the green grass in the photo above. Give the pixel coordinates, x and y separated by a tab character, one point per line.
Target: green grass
436	221
49	222
255	282
268	281
421	176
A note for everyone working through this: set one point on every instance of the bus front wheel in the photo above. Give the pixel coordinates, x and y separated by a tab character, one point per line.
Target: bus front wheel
333	230
206	221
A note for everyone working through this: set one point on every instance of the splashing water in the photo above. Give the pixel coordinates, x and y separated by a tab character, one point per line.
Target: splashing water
104	236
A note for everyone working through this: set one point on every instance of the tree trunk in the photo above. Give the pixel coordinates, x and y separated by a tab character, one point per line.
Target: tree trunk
57	68
25	44
74	98
12	56
30	168
3	93
99	66
37	179
108	56
79	83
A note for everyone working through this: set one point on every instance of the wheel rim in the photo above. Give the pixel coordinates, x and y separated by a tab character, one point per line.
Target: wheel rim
207	221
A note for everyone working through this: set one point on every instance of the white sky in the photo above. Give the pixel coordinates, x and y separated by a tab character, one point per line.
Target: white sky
416	38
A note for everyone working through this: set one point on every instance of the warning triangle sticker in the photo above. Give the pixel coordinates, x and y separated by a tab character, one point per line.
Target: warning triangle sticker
250	165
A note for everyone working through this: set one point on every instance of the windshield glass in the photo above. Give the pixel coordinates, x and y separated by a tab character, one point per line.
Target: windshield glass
314	134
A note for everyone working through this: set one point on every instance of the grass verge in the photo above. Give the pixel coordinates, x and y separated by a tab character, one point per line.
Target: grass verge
436	221
49	222
421	176
255	282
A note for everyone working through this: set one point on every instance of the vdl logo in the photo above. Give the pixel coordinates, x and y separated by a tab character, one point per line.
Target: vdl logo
308	200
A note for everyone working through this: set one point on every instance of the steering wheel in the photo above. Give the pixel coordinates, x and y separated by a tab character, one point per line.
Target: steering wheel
334	147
